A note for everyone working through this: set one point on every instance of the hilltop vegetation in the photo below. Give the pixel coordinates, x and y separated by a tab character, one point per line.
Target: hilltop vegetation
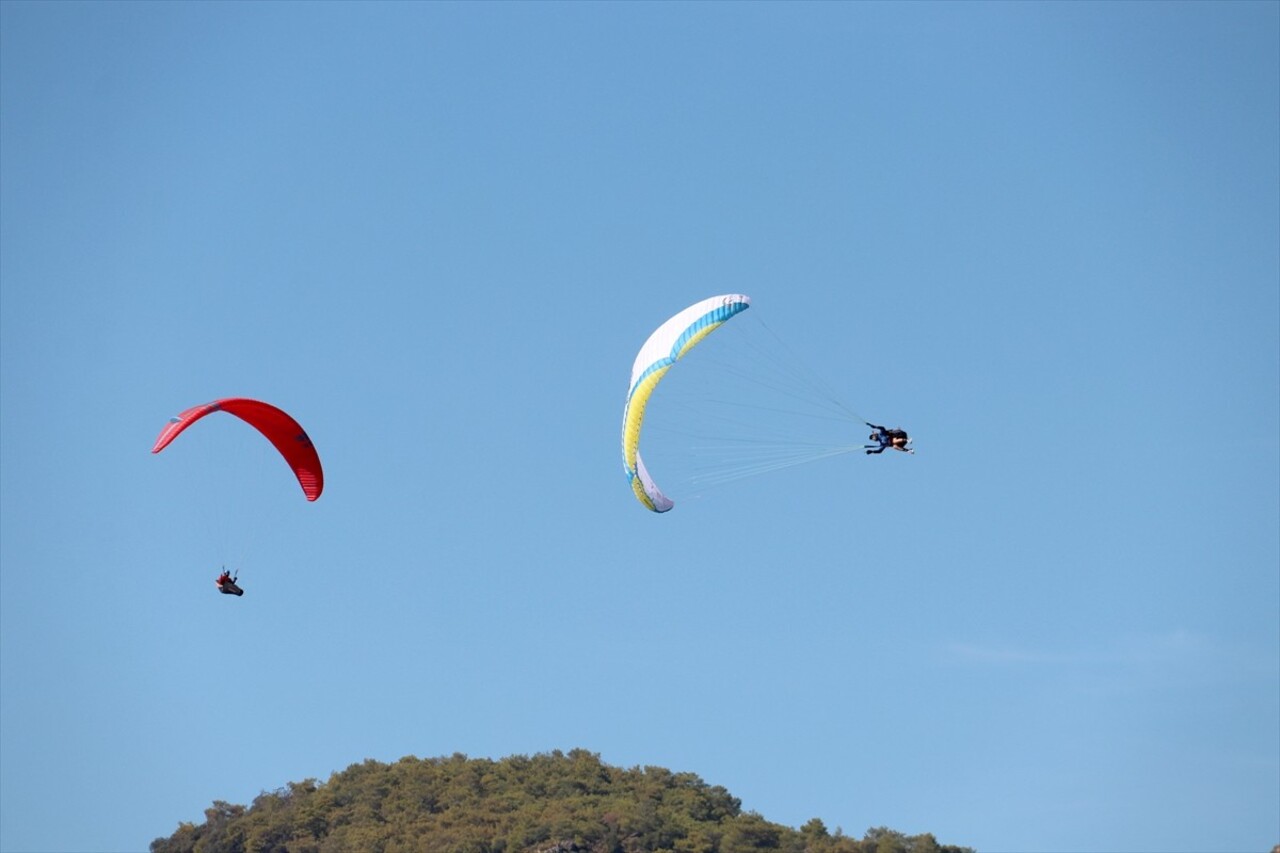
547	803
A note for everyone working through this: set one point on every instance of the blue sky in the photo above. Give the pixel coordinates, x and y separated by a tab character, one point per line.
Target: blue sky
1043	237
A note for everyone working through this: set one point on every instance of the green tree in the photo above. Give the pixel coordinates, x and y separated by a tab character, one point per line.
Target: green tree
563	802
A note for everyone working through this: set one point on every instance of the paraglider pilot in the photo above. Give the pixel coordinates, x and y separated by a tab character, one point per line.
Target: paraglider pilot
227	584
888	439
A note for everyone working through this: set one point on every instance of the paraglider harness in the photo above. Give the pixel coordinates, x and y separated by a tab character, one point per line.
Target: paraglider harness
227	584
887	439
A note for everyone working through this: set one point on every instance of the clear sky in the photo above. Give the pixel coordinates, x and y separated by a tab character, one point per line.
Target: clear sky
1041	236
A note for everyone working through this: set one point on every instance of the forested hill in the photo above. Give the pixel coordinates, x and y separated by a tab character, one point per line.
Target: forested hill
547	803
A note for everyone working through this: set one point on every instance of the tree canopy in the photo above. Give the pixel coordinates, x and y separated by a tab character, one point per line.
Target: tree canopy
547	803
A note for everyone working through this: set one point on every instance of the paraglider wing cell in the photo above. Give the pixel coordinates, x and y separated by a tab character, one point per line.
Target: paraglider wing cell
280	429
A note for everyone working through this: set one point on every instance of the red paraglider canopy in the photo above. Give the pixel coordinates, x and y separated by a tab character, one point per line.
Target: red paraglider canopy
279	428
